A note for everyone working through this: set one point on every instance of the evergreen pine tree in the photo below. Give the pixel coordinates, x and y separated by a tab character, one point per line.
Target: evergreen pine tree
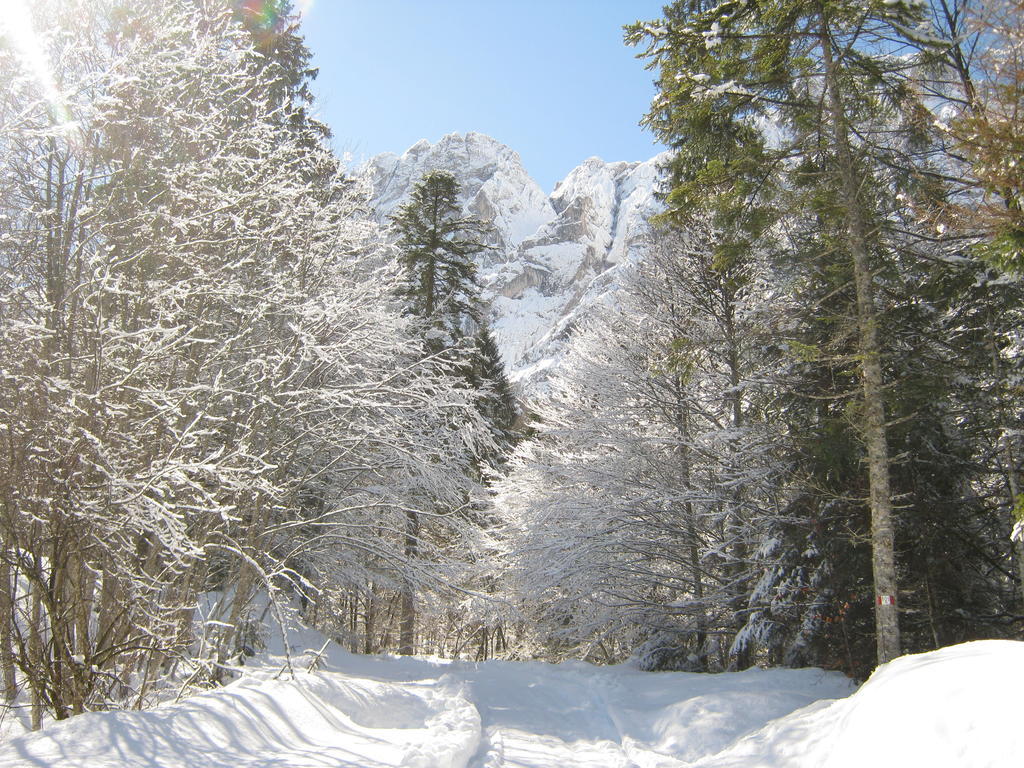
496	401
436	247
831	80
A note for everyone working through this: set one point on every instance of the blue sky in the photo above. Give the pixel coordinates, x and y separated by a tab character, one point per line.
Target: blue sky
551	79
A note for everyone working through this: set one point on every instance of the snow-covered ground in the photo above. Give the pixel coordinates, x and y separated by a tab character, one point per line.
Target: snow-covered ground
954	708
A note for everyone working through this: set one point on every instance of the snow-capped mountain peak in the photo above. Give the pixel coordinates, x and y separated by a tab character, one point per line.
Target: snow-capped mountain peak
495	186
551	256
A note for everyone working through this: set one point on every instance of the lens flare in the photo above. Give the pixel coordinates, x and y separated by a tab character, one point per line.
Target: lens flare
262	15
18	33
266	20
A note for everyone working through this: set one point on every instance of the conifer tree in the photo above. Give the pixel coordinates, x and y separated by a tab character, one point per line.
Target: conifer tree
496	402
436	245
826	76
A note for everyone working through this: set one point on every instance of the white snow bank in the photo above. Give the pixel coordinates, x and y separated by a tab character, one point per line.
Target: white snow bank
312	721
957	707
948	708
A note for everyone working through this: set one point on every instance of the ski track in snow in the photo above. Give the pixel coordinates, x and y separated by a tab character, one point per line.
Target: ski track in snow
953	708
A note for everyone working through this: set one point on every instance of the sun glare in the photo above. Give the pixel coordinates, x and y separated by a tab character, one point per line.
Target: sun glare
18	31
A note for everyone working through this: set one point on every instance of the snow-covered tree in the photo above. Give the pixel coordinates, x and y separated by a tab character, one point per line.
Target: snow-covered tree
436	245
822	90
208	386
636	507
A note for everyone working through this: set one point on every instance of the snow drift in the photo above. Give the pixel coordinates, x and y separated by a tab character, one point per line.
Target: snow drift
951	708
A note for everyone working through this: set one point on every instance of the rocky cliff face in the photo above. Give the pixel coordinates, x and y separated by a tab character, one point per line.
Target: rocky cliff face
553	256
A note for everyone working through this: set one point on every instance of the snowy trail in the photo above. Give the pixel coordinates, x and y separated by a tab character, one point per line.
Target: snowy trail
545	718
954	708
321	720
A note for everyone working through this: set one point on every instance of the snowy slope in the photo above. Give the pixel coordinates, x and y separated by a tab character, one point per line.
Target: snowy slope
381	711
551	257
954	708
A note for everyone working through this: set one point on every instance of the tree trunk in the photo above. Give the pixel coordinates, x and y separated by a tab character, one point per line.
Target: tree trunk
481	654
737	524
35	659
111	627
407	623
1009	455
78	596
353	622
86	584
369	617
228	642
10	681
696	571
883	551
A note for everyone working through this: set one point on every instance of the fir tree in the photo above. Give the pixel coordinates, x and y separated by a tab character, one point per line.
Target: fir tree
496	401
831	80
436	247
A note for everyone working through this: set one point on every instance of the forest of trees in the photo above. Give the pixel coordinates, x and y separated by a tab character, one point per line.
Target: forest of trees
807	452
211	393
227	393
797	438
